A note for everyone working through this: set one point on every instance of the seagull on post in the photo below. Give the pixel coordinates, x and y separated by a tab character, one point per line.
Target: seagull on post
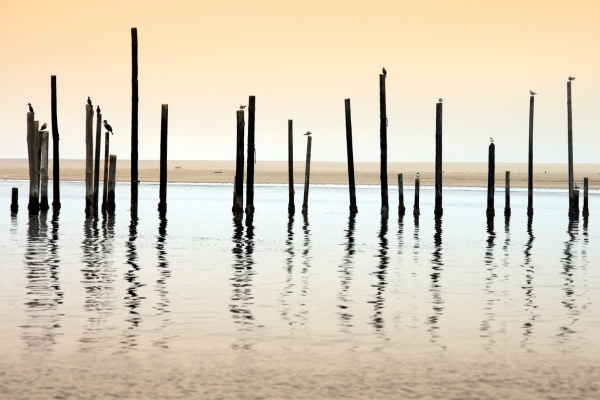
575	186
307	133
418	174
440	100
384	72
108	127
531	92
242	107
89	101
571	78
491	139
44	126
30	108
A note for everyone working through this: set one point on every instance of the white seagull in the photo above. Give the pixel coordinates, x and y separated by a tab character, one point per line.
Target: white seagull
440	100
418	174
491	139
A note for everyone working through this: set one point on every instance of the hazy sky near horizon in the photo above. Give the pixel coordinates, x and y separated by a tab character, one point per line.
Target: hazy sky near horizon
301	59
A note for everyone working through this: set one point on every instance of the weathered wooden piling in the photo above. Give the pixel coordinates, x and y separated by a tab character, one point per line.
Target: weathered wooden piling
530	167
350	152
238	187
576	203
307	175
89	158
251	158
586	210
44	173
164	126
507	210
572	213
105	185
416	209
14	203
291	203
439	210
112	176
97	161
401	208
55	148
38	146
490	211
34	197
134	121
383	145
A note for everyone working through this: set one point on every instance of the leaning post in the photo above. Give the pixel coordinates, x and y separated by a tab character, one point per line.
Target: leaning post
401	208
44	173
55	148
507	210
350	152
307	175
291	204
164	126
383	145
572	213
251	154
238	187
134	122
89	158
97	161
490	211
530	167
34	199
439	210
586	210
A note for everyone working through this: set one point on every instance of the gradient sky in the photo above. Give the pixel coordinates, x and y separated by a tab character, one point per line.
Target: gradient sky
301	59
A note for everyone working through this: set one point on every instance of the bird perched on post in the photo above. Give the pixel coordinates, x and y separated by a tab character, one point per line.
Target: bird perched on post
491	139
531	92
30	108
575	186
384	72
98	110
307	133
89	101
108	127
242	107
440	100
44	126
571	78
418	174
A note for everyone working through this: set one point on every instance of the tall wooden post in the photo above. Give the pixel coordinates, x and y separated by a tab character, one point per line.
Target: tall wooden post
134	121
112	175
34	198
350	152
507	210
97	161
105	184
530	168
44	173
89	158
401	208
570	151
164	126
251	159
586	210
38	146
490	211
55	148
439	210
416	209
291	204
14	204
238	187
307	175
383	145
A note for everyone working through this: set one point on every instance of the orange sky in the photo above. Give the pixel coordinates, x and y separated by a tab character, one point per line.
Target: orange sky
302	59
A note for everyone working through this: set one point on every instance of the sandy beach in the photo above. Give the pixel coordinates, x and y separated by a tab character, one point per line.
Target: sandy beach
367	173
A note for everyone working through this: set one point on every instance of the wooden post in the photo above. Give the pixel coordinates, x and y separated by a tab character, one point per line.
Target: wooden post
401	208
14	204
570	151
89	158
251	160
507	210
38	146
44	173
55	148
490	211
34	198
383	145
586	210
105	184
416	209
439	210
575	203
350	151
164	126
134	121
530	168
238	187
97	161
307	176
112	175
291	204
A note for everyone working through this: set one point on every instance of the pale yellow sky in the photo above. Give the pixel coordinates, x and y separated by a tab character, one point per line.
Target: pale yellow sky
302	59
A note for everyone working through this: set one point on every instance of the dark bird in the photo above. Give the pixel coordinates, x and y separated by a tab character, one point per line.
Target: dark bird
108	127
440	100
242	107
98	110
531	92
89	101
44	126
384	72
307	133
30	108
571	78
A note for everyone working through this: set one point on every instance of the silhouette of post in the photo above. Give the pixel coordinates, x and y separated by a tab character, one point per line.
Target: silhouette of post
134	121
350	152
164	126
34	198
55	148
439	210
251	153
238	187
105	185
14	204
401	208
507	210
38	146
383	145
112	175
291	205
490	211
586	211
89	159
575	203
97	161
44	173
307	175
530	167
416	209
572	213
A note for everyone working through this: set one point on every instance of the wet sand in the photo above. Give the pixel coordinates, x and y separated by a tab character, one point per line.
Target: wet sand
326	172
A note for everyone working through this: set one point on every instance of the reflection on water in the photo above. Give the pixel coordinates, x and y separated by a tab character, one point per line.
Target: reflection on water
530	304
289	262
306	262
490	280
345	271
133	300
569	268
164	273
381	275
436	286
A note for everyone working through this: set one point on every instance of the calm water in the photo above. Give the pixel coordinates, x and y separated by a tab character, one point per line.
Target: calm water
206	306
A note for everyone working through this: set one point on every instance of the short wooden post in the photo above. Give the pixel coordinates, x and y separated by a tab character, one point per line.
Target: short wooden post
38	146
97	161
530	167
14	204
55	148
350	152
238	187
251	154
383	145
44	173
89	158
586	210
416	210
507	210
164	126
105	184
34	197
401	208
112	175
572	213
291	204
134	122
490	211
439	210
576	203
307	176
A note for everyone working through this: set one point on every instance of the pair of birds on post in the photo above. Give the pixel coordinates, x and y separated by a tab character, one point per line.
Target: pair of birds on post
98	111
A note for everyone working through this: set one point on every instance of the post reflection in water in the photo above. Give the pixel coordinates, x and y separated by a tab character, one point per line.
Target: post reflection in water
530	305
345	270
381	275
306	260
164	273
132	298
289	262
492	297
569	268
417	243
437	267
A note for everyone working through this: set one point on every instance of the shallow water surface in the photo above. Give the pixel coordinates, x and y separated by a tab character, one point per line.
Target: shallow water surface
329	305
